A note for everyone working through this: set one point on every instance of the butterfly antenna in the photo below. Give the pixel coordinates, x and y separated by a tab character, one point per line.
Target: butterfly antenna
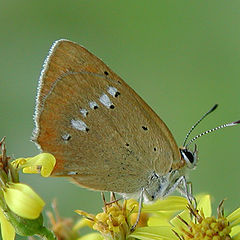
211	110
212	130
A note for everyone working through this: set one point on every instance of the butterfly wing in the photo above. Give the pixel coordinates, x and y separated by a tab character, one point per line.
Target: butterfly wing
100	131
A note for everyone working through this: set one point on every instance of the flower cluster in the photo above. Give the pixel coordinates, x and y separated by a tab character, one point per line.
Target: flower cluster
193	223
169	219
20	205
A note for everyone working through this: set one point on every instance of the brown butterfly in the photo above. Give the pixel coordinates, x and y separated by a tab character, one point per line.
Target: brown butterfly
102	133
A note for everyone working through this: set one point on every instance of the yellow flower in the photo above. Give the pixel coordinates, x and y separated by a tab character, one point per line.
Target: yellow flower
23	201
207	226
112	223
20	209
7	230
203	226
159	226
20	206
116	220
42	163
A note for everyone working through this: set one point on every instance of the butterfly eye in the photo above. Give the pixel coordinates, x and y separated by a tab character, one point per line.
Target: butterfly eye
189	157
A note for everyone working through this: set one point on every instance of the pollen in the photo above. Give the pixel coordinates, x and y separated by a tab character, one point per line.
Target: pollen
205	228
112	223
115	220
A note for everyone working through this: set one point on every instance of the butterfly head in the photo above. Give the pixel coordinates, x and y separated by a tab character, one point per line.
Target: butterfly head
189	157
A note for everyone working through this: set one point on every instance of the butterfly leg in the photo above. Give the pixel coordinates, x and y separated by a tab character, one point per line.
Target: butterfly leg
185	188
113	198
182	186
140	203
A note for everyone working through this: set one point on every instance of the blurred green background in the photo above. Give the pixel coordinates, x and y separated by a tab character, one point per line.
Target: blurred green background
180	56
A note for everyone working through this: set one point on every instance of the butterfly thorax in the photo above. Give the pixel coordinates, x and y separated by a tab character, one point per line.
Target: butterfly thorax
160	186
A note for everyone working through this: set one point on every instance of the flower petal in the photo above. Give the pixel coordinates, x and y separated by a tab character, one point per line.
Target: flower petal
178	224
7	230
43	162
84	222
23	201
92	236
161	219
234	217
171	203
204	203
154	233
235	233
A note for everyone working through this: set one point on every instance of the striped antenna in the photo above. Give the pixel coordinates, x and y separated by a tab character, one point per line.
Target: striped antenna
212	130
194	126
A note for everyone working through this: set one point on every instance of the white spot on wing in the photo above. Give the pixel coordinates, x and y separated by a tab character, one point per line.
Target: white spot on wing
66	137
84	112
79	125
105	100
72	173
93	105
112	91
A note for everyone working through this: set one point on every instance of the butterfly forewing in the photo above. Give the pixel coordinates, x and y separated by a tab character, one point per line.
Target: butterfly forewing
100	131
